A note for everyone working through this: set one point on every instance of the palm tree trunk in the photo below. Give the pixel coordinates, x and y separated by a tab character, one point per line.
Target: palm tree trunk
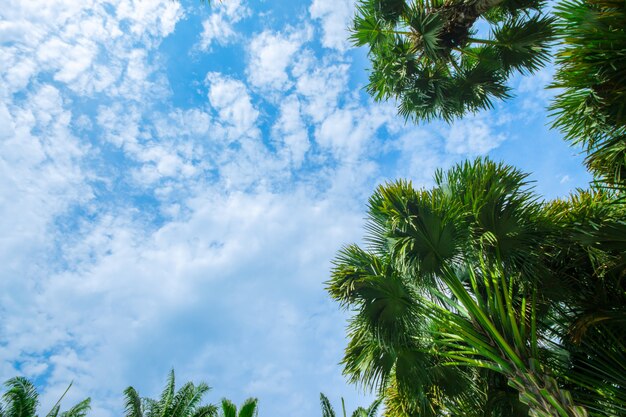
544	397
459	18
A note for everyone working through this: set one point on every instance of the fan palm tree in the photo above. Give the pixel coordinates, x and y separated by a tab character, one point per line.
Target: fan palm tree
591	71
478	278
21	400
182	403
425	53
248	409
329	411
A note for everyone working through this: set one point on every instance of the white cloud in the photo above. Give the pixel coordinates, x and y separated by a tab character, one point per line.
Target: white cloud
320	84
270	55
139	288
81	44
148	225
348	132
215	27
336	17
231	99
472	136
218	27
291	131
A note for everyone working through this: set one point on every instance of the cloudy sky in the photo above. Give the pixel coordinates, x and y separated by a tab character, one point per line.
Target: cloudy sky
176	177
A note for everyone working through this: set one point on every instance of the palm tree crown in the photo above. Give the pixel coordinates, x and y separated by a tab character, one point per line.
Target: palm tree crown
425	53
329	411
248	409
182	403
475	298
21	400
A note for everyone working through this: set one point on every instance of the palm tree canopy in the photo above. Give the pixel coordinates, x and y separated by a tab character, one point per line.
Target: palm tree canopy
182	403
248	409
329	411
591	73
471	292
424	53
21	400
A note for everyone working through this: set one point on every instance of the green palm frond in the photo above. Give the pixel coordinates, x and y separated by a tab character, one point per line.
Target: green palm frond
327	408
182	403
167	396
21	398
591	69
132	403
206	411
523	44
249	408
372	410
229	409
423	53
79	410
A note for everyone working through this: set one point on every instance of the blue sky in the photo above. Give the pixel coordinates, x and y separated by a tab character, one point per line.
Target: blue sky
176	179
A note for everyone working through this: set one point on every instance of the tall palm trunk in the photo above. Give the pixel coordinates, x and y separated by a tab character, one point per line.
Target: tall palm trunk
459	18
496	335
543	395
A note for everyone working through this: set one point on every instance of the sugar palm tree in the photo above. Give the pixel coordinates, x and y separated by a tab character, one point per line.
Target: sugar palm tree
329	411
248	409
591	73
425	53
476	272
182	403
21	400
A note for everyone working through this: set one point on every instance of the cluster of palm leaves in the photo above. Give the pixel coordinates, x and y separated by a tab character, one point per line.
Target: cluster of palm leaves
21	400
426	53
591	109
329	411
475	298
186	402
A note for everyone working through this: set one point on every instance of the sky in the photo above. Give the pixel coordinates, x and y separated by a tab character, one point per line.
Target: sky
176	177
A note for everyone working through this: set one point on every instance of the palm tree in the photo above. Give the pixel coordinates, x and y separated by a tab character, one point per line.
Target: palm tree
425	53
478	284
21	400
591	109
329	411
248	409
182	403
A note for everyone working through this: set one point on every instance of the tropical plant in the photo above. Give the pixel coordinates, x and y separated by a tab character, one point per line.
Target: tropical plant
474	298
21	400
591	71
329	411
182	403
248	409
426	53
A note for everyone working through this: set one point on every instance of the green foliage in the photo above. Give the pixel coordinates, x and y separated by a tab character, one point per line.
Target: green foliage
474	298
21	400
248	409
182	403
329	411
423	52
591	109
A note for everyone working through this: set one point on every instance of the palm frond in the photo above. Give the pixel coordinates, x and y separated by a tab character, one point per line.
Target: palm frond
229	409
249	408
21	398
132	403
327	408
